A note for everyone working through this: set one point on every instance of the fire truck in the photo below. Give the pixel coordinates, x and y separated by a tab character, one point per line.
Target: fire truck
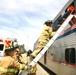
4	43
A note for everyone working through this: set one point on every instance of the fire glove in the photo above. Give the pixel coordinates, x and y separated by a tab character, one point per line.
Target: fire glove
52	34
31	57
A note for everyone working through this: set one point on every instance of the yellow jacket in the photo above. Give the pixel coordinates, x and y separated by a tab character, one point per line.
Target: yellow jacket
9	65
45	35
19	59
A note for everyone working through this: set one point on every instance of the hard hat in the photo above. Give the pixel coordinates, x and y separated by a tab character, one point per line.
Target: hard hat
48	21
29	52
10	48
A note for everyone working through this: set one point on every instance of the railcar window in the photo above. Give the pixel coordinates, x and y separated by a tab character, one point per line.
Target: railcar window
75	5
70	55
56	23
1	47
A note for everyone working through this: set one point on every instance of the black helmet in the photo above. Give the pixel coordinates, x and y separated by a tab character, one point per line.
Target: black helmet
29	52
10	48
48	22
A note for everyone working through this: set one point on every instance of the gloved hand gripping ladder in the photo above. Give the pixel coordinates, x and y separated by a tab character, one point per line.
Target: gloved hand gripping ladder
64	24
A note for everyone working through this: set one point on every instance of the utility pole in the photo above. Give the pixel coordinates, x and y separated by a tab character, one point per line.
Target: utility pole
27	42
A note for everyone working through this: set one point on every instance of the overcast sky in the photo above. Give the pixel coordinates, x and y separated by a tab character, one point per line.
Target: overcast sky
23	19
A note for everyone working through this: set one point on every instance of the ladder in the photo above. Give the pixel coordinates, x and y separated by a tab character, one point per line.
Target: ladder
60	29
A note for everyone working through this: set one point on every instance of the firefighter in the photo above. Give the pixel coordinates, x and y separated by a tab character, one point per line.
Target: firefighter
43	39
8	65
68	11
18	57
33	70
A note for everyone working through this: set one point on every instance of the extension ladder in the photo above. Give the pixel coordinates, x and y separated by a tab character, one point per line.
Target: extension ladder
60	29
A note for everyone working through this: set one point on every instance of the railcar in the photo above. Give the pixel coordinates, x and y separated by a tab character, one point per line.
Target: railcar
60	58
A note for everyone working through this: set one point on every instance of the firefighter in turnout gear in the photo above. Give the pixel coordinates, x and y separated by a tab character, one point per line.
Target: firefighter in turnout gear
8	65
68	11
43	39
33	70
17	56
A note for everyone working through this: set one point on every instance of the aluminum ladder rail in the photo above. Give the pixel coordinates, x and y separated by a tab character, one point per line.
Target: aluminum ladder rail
60	29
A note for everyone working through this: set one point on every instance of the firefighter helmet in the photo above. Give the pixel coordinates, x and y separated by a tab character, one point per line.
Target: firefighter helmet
10	48
29	52
48	21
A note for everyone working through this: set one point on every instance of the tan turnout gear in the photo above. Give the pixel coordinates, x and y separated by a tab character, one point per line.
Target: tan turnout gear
19	59
43	39
33	70
17	56
8	65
